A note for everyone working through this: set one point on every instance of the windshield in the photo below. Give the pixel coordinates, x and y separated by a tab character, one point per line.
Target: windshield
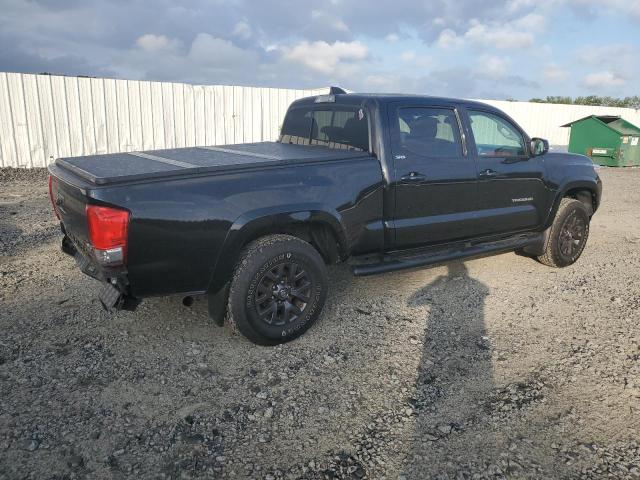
343	127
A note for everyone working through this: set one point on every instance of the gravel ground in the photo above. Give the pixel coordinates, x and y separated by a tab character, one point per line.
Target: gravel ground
493	368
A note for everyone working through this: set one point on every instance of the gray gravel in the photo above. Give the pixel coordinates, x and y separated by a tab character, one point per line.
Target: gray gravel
494	368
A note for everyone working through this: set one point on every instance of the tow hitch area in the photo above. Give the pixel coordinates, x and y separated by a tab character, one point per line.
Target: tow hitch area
68	247
111	298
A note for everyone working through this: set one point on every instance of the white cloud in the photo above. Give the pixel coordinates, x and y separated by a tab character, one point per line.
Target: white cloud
449	39
416	60
325	57
151	42
630	7
314	45
207	59
329	20
243	30
554	73
532	22
502	38
219	53
600	80
611	65
340	25
380	82
408	55
612	54
517	34
517	5
492	67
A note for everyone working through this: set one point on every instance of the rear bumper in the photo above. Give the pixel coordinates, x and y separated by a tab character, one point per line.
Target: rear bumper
115	292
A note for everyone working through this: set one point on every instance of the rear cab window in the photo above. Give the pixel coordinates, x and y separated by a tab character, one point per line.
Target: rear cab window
340	127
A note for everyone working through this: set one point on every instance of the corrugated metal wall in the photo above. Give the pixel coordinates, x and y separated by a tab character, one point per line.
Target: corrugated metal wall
543	119
43	117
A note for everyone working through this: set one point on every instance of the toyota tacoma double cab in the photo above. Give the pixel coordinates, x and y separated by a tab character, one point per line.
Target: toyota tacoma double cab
384	182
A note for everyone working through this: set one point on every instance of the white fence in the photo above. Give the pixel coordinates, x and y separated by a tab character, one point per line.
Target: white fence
544	119
43	117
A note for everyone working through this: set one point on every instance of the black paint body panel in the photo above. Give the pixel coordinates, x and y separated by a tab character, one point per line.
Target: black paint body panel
183	226
192	214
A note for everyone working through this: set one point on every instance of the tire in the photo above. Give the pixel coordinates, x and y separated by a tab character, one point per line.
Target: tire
568	235
278	289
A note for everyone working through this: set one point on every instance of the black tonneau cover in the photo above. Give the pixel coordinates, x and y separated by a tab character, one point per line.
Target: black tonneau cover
120	167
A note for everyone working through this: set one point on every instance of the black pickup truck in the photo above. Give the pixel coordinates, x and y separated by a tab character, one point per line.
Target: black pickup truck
385	182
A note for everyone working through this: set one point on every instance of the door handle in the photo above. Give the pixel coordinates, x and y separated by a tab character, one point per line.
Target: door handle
489	173
413	177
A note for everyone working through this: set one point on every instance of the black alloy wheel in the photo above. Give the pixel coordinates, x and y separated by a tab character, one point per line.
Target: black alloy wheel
283	293
568	234
572	234
278	289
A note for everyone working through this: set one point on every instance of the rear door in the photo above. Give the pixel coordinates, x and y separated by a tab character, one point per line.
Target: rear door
435	181
511	193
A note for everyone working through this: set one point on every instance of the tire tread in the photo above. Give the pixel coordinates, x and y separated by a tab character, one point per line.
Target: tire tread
548	258
236	322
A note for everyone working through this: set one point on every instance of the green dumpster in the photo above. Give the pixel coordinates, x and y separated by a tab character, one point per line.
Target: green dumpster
607	139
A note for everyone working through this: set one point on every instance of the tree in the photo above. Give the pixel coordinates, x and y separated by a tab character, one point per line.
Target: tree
594	100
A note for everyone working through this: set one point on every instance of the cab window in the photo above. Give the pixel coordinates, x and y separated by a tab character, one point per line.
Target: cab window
495	136
341	128
430	132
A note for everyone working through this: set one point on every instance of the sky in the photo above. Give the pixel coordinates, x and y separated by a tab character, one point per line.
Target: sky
491	49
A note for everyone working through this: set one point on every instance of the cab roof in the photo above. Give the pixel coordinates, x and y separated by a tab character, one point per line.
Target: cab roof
386	98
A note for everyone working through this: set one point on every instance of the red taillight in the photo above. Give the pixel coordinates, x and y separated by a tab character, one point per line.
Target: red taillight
108	233
53	202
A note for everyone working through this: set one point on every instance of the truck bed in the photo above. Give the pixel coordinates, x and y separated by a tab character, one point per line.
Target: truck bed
123	167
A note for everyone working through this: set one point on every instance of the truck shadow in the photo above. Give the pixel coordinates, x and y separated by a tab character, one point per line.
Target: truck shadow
435	341
375	352
385	345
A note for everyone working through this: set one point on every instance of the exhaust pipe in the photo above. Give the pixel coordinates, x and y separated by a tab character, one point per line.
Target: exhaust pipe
187	301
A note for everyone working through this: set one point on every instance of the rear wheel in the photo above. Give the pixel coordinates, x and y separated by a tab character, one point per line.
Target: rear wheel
278	289
568	235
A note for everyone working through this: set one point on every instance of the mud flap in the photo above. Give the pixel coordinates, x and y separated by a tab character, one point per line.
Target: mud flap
111	298
68	247
217	305
538	248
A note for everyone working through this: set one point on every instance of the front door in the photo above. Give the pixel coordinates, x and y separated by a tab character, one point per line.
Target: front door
511	193
435	181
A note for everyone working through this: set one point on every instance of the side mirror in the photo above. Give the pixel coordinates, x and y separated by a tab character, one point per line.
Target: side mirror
539	146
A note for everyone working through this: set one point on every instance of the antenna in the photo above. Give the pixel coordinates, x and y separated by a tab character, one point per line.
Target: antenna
336	91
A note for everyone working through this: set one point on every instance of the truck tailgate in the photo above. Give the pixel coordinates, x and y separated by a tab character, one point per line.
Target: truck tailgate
121	167
70	204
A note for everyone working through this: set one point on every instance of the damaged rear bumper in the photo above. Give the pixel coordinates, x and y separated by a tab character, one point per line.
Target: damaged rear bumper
115	291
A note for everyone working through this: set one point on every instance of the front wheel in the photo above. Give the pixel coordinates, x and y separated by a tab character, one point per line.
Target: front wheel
568	235
278	289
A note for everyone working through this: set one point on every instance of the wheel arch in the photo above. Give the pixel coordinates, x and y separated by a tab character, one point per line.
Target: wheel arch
315	224
586	191
585	195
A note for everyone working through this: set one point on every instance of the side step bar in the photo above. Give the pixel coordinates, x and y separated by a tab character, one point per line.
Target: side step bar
393	263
